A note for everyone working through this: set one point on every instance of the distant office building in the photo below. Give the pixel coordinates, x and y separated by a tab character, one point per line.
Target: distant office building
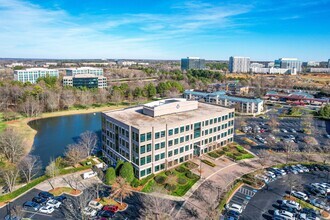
192	63
84	70
293	64
163	134
126	63
313	63
239	64
245	105
319	70
271	70
85	80
329	63
31	75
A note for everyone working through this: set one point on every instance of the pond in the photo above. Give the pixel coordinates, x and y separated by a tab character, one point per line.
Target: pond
55	134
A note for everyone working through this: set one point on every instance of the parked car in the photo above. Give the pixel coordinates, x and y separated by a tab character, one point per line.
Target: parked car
291	204
47	209
235	207
32	206
284	214
284	130
89	211
111	208
105	214
293	130
46	195
53	203
39	200
89	174
95	205
60	198
299	195
270	174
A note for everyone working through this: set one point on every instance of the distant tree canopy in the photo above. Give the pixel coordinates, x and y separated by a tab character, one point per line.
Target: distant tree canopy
217	66
49	80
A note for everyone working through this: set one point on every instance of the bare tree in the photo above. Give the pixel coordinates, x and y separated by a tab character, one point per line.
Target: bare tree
273	123
116	96
155	207
31	107
10	175
30	166
290	148
75	153
88	140
121	189
68	98
16	211
52	171
52	100
264	157
307	123
11	145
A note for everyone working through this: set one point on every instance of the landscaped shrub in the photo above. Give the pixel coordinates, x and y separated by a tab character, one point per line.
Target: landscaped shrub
145	180
135	182
170	187
237	154
240	149
191	175
225	149
190	165
208	163
182	180
160	179
127	172
118	166
229	154
110	176
213	154
168	173
180	169
220	152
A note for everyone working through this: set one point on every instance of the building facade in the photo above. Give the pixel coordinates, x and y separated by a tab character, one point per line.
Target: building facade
192	63
329	63
162	134
239	64
293	64
84	70
252	106
85	80
31	75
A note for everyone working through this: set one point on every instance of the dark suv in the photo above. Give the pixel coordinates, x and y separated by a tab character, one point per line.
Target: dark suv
32	206
46	195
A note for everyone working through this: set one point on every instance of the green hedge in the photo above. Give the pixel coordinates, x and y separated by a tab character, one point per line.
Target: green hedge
23	189
213	154
73	170
208	163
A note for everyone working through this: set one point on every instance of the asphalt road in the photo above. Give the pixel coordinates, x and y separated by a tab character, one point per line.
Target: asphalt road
264	202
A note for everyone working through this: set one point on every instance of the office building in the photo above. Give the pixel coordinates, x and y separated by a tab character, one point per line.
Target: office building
85	80
192	63
319	70
84	70
329	63
239	64
293	64
244	105
32	74
163	134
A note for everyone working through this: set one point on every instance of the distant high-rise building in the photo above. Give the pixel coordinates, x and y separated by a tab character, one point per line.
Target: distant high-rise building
192	63
84	70
293	64
328	63
32	74
239	64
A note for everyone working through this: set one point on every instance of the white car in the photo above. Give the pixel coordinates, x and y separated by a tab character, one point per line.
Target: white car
299	195
263	178
47	209
236	208
89	211
95	205
304	216
284	214
293	130
284	130
53	203
270	174
291	204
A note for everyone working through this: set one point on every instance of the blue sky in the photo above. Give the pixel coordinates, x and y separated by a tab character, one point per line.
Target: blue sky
165	29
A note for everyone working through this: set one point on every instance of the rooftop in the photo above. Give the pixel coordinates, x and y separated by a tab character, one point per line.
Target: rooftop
135	117
83	76
36	69
84	68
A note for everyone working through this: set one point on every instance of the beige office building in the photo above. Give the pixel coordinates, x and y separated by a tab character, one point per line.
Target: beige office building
162	134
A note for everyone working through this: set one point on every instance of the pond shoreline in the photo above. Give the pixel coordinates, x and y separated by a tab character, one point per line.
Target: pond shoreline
22	125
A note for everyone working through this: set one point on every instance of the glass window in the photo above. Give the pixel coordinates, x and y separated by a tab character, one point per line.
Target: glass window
181	139
219	119
181	149
143	160
181	129
157	157
148	170
186	147
176	131
157	135
187	127
143	173
156	168
170	132
148	147
187	137
156	146
170	143
143	137
162	134
143	149
206	123
211	121
215	120
148	136
176	151
170	154
176	140
162	145
149	159
162	155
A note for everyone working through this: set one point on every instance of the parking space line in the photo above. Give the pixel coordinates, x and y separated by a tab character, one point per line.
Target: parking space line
37	213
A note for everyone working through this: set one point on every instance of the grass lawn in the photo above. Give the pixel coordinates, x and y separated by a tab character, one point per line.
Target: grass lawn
60	190
110	201
176	181
2	123
236	152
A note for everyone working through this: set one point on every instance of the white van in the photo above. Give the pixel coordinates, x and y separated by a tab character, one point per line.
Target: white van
89	174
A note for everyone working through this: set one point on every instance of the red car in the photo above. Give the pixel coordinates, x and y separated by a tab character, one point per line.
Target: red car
111	208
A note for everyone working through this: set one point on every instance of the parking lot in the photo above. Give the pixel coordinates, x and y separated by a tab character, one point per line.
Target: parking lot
266	200
289	129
